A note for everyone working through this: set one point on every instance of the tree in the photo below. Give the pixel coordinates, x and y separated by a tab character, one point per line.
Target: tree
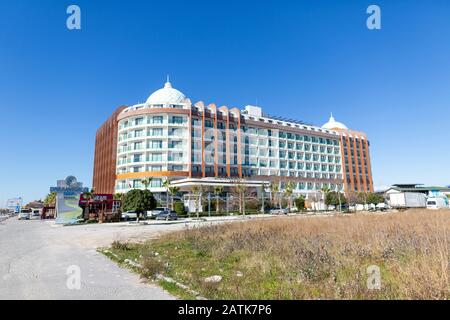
240	189
166	184
50	199
217	192
334	198
274	188
119	196
87	196
263	195
290	187
173	191
198	192
300	203
375	198
138	200
325	190
179	208
352	198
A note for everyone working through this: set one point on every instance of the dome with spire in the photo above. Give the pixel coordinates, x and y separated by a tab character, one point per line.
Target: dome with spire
166	95
333	124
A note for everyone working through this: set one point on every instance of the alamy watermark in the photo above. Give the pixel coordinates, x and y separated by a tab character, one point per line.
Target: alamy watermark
73	281
374	279
74	20
374	20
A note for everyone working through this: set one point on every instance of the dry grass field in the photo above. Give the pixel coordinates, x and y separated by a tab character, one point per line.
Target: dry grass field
308	257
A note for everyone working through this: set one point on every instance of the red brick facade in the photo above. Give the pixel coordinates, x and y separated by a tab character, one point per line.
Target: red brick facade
105	155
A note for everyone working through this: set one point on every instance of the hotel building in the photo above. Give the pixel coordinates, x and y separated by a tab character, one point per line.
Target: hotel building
168	137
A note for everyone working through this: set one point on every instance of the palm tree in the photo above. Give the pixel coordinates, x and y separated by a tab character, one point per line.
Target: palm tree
290	186
274	189
217	192
50	199
87	196
325	191
166	184
240	189
146	182
263	191
118	196
173	191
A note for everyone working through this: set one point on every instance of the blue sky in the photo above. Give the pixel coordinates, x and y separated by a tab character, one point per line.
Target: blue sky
300	59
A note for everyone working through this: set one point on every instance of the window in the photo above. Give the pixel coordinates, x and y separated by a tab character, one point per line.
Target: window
156	157
156	183
156	144
177	120
137	184
137	158
138	121
137	145
157	132
157	119
156	168
175	145
138	133
176	132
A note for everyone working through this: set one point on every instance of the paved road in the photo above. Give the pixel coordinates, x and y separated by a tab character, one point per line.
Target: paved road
34	257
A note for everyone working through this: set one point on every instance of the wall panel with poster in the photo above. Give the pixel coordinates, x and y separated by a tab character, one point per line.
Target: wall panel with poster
68	193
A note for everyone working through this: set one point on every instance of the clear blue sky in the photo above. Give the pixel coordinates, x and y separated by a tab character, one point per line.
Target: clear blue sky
301	59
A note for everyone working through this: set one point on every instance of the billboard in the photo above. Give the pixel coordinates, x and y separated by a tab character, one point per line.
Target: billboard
68	193
14	204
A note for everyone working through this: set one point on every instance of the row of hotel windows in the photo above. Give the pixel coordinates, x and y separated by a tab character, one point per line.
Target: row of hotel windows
221	125
155	132
178	157
355	179
153	157
151	120
154	144
153	168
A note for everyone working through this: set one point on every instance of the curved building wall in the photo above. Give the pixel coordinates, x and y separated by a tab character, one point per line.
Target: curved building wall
152	143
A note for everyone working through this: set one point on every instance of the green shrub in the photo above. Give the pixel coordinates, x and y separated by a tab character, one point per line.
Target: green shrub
139	201
179	208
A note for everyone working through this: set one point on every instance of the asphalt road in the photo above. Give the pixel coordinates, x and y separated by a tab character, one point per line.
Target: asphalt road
35	257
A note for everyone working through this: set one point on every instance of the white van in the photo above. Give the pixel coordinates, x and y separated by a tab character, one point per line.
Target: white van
435	203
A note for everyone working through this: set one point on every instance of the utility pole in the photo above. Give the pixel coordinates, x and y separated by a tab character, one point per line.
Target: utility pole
209	204
340	205
228	213
262	198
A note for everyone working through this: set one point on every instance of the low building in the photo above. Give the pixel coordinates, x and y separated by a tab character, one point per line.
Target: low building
413	195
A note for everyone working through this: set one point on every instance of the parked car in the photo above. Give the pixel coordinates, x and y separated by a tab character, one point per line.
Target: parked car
24	215
435	203
156	211
129	215
381	207
279	211
167	215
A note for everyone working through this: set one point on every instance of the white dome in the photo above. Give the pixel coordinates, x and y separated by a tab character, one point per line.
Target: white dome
166	95
333	124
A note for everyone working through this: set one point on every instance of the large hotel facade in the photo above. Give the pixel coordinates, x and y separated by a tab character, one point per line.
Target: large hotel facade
168	137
